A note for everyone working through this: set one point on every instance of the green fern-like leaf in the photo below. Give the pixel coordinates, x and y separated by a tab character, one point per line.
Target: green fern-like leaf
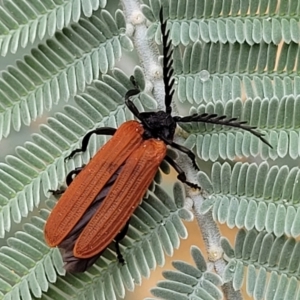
227	21
189	282
59	69
255	255
253	196
23	21
209	72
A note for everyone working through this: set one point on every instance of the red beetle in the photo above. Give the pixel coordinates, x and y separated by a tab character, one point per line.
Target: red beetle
97	206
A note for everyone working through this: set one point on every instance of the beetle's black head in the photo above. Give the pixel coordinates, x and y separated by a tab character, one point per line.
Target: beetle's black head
158	125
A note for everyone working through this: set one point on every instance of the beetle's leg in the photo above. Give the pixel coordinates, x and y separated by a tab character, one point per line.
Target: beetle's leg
181	175
57	192
118	238
86	138
69	179
183	149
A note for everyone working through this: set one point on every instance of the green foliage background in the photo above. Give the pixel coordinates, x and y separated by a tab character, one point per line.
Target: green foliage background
234	57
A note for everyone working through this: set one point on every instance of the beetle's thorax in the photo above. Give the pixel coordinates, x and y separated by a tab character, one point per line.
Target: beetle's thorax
158	125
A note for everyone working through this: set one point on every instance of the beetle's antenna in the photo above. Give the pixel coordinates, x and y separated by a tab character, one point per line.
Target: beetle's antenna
130	104
167	63
221	120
